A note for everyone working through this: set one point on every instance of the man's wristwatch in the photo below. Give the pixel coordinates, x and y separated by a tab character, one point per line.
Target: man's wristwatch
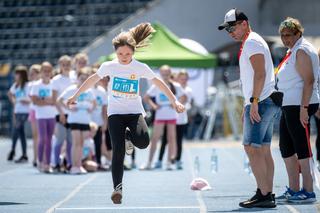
254	100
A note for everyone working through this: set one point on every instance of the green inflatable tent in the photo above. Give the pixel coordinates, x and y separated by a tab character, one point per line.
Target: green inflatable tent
165	48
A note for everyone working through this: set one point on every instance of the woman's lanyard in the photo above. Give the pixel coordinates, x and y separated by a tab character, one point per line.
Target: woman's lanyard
243	41
276	71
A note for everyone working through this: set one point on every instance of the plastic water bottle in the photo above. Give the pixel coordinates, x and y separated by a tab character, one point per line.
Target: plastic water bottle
214	161
196	166
246	165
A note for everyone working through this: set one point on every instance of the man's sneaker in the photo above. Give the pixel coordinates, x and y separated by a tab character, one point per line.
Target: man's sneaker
158	165
303	196
286	195
22	159
129	145
259	200
11	155
116	195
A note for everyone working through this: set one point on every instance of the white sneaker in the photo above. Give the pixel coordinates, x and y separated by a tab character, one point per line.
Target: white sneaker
129	145
83	170
75	170
146	166
169	166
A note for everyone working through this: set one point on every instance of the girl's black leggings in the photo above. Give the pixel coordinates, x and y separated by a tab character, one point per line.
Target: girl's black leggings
117	125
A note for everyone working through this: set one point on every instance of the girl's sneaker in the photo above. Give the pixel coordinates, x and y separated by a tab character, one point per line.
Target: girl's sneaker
303	196
75	170
116	195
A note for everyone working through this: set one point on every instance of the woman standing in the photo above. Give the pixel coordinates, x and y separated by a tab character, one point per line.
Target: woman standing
124	101
297	79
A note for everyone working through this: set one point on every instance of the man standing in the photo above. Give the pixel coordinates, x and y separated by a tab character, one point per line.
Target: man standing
257	79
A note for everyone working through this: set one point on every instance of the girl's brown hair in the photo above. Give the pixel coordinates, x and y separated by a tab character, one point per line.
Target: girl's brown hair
136	37
22	71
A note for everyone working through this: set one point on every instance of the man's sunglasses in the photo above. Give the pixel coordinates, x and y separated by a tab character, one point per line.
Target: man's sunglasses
232	27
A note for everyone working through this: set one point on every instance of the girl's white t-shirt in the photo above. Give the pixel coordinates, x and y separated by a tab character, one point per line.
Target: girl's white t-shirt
20	94
60	83
101	100
123	89
255	44
290	81
42	90
83	103
183	117
165	112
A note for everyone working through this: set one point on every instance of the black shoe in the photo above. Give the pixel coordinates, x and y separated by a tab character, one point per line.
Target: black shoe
11	155
259	200
22	159
56	169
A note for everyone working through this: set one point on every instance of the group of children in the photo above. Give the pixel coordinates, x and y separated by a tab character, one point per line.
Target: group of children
39	96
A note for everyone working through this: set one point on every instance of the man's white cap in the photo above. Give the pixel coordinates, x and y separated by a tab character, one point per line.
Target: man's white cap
232	16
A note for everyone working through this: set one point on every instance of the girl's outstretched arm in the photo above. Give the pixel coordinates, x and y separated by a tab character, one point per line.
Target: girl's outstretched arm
90	82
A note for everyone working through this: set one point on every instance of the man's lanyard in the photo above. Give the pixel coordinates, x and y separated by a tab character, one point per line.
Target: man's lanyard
243	41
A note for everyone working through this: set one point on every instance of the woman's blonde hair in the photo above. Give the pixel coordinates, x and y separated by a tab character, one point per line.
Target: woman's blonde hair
65	58
35	67
183	72
136	37
291	24
85	71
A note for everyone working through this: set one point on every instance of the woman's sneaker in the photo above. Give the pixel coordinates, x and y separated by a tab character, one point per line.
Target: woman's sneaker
286	195
116	195
303	196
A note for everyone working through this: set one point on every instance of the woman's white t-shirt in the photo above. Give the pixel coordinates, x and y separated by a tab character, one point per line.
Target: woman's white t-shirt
290	81
84	102
123	89
20	94
60	83
42	90
165	112
183	117
101	100
255	44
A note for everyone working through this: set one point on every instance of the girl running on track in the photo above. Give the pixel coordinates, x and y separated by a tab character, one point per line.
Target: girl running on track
125	106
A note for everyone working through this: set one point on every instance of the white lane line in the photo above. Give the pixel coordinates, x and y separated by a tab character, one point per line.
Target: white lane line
129	208
203	207
71	194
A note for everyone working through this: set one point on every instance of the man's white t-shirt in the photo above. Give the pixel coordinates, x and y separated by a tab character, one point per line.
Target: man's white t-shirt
101	100
42	90
165	112
20	94
183	117
123	89
59	84
84	102
255	44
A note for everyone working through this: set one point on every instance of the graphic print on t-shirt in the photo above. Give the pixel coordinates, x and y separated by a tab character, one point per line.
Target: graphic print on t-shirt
20	93
163	99
125	88
83	101
44	93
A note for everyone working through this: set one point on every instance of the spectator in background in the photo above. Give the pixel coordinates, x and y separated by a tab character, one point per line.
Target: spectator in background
297	79
257	78
18	96
62	131
34	76
79	118
317	120
80	61
165	115
44	100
